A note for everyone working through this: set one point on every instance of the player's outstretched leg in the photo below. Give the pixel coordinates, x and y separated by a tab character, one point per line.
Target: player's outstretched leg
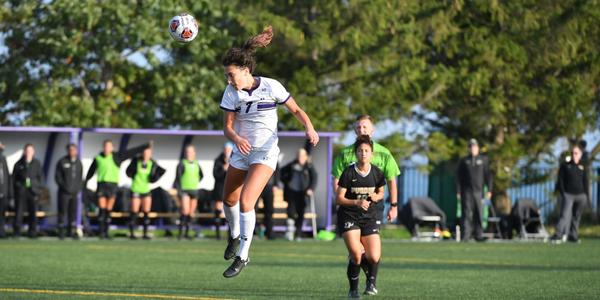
247	223
371	258
233	219
234	181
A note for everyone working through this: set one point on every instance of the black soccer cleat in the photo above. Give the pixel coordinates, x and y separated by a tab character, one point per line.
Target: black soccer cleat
353	294
233	245
236	267
371	290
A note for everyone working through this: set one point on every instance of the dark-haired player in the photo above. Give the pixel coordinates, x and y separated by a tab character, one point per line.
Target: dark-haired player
383	159
360	187
106	166
250	122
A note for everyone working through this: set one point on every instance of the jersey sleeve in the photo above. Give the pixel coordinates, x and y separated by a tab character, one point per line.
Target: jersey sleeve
279	92
338	166
228	102
345	179
380	180
342	161
391	169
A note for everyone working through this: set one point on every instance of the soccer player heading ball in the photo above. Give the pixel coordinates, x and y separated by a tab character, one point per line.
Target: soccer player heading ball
360	188
250	122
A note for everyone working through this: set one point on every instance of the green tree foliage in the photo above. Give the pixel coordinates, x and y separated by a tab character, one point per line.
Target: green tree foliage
110	63
517	75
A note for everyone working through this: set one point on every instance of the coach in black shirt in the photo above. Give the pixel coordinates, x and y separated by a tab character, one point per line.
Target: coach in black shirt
27	182
5	189
573	186
473	176
69	178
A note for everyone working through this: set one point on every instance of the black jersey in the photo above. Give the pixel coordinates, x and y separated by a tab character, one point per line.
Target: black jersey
359	187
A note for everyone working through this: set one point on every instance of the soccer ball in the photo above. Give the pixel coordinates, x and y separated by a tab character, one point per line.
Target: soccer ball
183	28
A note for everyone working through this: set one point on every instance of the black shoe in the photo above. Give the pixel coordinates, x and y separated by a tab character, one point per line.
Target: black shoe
371	290
233	245
146	237
132	237
480	239
573	240
236	267
353	294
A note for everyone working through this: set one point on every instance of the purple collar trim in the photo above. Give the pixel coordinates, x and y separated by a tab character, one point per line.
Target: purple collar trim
254	87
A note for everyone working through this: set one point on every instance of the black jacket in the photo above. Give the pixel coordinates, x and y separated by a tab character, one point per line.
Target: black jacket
69	175
473	173
179	173
308	179
155	174
573	178
24	170
6	189
118	157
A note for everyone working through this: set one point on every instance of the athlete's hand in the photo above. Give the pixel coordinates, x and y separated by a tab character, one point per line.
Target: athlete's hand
312	136
364	204
374	197
392	213
243	145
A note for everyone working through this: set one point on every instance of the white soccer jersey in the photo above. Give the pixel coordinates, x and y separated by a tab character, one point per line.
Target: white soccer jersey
256	111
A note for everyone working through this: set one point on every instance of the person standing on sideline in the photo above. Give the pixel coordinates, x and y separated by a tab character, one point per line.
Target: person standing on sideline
107	167
299	179
69	178
27	184
143	171
187	177
473	177
219	171
6	189
573	185
268	200
250	122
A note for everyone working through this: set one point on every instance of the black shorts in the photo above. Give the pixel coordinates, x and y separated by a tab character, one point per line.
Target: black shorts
140	195
107	189
352	221
193	194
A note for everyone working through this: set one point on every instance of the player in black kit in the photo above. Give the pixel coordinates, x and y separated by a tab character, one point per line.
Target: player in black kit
359	188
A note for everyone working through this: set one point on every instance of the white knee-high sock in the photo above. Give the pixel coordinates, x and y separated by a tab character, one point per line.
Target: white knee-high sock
247	222
232	214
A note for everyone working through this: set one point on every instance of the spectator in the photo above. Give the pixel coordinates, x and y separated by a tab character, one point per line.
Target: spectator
472	178
573	186
27	182
299	180
69	178
219	171
5	189
268	197
143	171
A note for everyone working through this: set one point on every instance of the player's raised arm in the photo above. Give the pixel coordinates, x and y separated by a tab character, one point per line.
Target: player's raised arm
311	134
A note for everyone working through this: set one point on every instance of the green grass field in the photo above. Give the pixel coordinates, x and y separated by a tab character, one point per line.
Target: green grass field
168	269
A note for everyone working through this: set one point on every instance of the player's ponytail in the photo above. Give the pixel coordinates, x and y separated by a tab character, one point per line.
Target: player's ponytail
244	57
262	39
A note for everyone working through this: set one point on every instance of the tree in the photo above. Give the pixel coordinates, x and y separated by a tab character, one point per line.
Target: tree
110	64
516	75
